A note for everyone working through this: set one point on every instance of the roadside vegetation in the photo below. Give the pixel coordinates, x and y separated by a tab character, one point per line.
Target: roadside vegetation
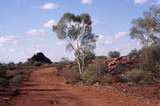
12	74
138	67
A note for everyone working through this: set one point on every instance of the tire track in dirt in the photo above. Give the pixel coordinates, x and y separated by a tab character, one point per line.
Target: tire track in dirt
44	89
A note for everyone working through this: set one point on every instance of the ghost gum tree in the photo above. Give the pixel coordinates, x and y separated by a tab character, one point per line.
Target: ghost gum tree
147	28
76	30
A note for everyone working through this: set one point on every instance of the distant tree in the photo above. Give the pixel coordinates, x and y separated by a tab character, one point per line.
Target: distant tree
77	32
147	28
101	57
134	53
20	63
113	54
89	57
64	60
11	65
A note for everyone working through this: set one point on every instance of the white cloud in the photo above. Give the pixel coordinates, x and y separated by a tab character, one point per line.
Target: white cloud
87	1
49	6
140	1
108	41
12	50
36	32
118	49
120	34
50	23
103	40
101	37
8	40
59	43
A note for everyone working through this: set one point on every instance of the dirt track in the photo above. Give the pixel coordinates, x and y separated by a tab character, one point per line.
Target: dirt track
44	89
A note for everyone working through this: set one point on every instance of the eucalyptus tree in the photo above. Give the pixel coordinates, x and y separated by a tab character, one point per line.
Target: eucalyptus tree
76	30
147	28
114	54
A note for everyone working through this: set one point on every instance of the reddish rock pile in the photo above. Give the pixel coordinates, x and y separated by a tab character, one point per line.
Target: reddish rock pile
116	65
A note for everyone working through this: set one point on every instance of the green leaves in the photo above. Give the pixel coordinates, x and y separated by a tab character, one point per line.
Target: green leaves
147	28
76	30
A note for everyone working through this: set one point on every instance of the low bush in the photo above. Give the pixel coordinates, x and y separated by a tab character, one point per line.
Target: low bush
11	74
16	80
134	53
114	54
72	75
90	75
37	64
139	76
11	66
151	58
56	73
93	72
3	81
121	78
2	73
59	65
107	79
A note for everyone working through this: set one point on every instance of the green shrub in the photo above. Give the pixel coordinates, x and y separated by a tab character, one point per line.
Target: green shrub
107	79
134	53
113	54
89	75
121	78
2	73
103	58
11	74
11	66
139	76
3	67
151	58
71	75
16	80
3	81
28	63
56	73
59	65
89	57
93	72
37	64
64	60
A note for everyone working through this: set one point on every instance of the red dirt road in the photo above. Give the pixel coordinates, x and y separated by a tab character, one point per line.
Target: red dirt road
45	89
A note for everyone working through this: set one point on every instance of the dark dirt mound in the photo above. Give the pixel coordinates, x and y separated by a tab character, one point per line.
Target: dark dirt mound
40	57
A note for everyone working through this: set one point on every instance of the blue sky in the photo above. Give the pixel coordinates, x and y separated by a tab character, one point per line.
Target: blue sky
25	26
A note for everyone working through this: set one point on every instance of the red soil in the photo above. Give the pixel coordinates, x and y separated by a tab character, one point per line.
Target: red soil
45	89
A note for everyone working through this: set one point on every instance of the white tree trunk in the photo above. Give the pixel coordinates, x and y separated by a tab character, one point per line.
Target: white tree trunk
83	63
79	66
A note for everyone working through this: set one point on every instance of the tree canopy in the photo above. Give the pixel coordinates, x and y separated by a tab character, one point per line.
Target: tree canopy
114	54
76	30
147	28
